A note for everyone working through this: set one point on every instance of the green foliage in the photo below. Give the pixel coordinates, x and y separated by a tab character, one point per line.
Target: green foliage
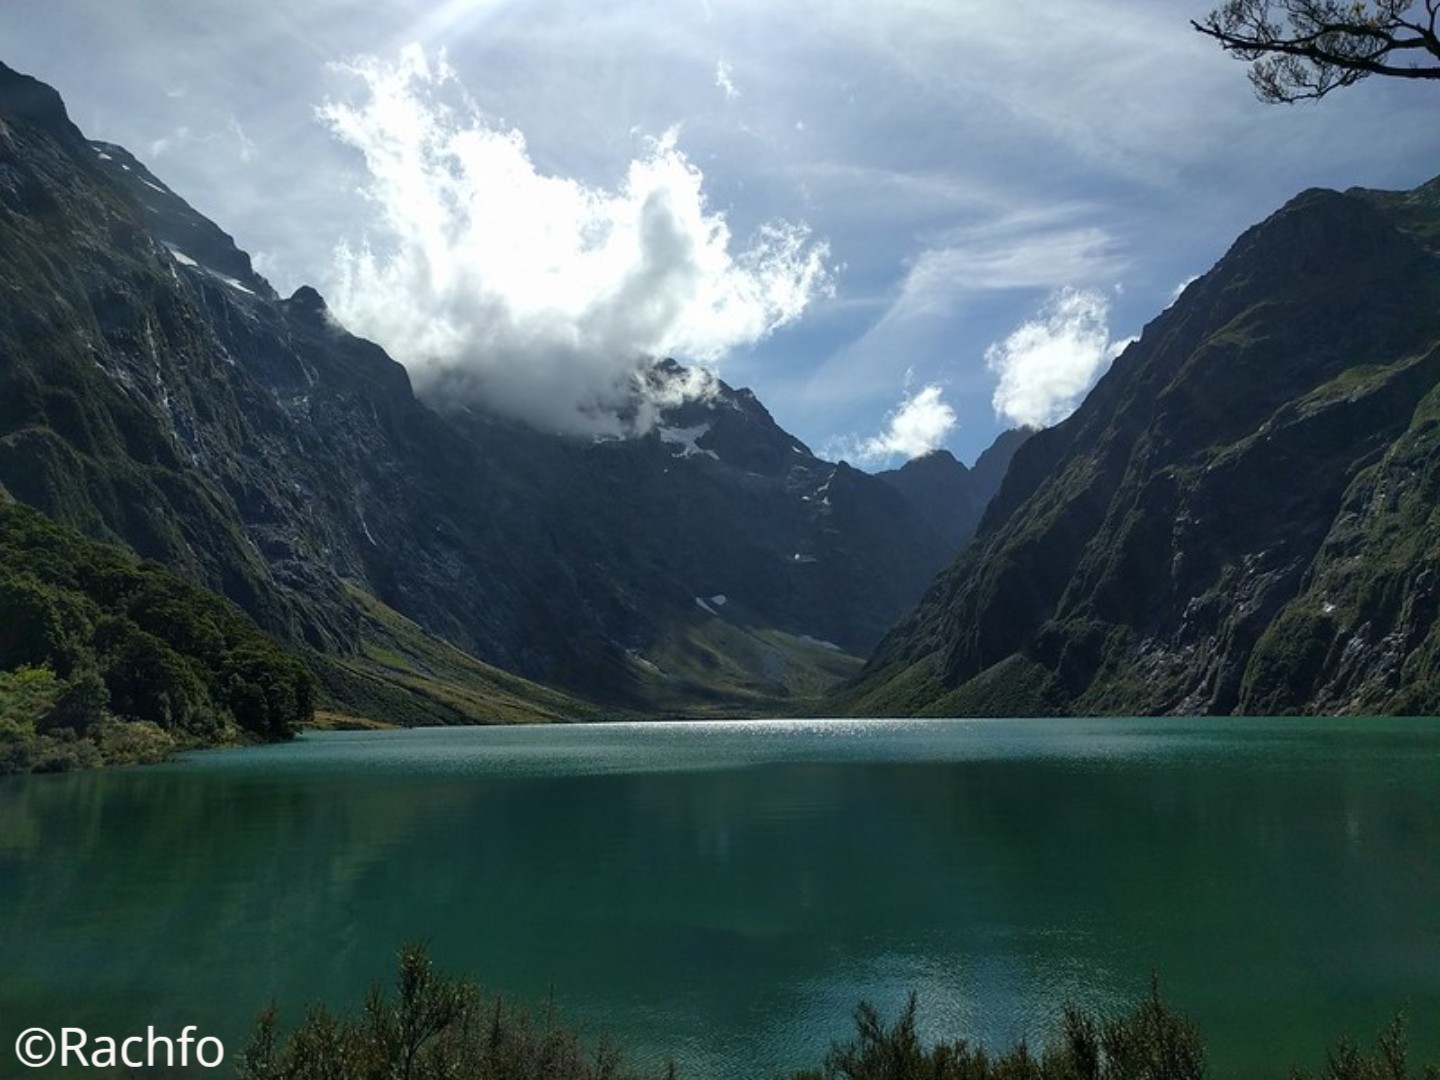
49	724
436	1026
896	1053
46	723
1288	660
1388	1061
81	703
1151	1043
433	1027
37	624
26	696
406	677
89	638
132	742
1304	49
148	679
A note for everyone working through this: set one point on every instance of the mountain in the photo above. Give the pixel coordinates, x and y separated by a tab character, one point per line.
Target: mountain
950	496
712	559
1240	518
436	562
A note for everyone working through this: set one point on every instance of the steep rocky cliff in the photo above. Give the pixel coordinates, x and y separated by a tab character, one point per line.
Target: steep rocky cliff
1240	518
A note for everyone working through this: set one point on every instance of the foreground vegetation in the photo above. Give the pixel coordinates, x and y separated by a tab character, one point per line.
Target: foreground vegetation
433	1027
437	1027
104	659
1152	1042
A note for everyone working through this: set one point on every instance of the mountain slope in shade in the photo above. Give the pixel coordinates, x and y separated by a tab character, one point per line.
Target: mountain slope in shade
1240	518
156	391
950	496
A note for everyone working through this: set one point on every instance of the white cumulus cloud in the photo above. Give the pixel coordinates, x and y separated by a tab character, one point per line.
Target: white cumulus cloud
1046	365
541	295
917	425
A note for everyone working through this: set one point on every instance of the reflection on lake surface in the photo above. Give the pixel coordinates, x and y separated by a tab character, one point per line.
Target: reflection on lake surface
725	893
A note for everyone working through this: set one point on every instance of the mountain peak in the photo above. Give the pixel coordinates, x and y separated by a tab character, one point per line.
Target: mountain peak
32	101
306	300
934	460
738	429
947	494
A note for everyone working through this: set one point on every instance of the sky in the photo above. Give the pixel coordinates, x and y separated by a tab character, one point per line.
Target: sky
905	224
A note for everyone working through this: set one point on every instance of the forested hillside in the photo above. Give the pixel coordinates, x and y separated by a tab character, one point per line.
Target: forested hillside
104	658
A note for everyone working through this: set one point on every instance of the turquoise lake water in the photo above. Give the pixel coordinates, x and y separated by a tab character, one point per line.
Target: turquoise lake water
724	894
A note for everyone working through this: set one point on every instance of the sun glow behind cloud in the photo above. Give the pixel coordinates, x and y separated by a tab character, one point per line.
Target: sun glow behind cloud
538	294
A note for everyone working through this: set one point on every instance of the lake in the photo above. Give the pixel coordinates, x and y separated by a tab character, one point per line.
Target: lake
724	893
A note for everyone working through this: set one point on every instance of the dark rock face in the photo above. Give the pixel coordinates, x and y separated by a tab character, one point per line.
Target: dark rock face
950	496
155	390
1241	516
715	500
170	220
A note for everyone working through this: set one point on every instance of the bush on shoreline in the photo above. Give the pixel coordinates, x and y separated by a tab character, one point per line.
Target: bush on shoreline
436	1027
433	1027
1151	1043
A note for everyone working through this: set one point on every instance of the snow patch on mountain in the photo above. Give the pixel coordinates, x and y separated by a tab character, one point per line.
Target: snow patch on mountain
180	256
187	260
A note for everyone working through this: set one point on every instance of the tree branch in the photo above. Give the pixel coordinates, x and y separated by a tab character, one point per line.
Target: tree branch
1315	46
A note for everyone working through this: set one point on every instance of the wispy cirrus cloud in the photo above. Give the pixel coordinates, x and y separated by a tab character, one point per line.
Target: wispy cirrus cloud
1017	255
1016	251
725	82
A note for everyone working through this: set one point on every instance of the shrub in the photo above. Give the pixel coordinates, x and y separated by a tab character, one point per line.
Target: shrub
133	742
1388	1061
1151	1043
17	747
433	1027
81	702
438	1027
